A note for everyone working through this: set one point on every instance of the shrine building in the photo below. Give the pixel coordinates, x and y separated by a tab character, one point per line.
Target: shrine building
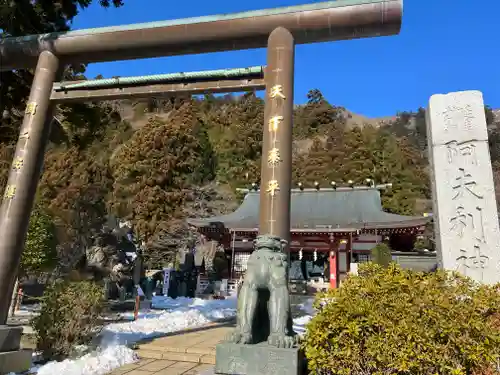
331	229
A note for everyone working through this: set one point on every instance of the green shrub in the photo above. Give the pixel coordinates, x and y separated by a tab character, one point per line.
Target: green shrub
39	252
395	321
422	243
381	254
69	316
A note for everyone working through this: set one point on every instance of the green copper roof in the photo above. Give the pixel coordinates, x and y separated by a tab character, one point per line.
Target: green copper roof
163	78
352	209
203	19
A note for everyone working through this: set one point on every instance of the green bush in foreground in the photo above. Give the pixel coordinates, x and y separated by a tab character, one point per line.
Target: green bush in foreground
395	321
69	316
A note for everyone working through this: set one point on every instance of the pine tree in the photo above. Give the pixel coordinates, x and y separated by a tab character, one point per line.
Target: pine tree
153	168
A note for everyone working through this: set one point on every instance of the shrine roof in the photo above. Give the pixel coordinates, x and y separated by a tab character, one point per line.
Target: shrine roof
321	210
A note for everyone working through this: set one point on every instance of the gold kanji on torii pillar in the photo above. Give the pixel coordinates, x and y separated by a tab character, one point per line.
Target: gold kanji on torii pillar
276	171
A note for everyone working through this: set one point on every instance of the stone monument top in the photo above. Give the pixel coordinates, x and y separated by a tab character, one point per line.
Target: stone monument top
460	116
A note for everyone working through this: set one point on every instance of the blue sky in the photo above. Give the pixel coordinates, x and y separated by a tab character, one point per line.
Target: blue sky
444	45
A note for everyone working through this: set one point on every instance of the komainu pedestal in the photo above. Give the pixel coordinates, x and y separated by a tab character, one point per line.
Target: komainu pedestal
263	341
259	359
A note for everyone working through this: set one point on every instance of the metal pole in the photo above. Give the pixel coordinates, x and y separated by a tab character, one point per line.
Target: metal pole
138	267
24	175
276	175
349	244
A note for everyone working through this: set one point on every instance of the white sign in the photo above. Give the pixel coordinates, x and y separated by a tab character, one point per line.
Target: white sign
224	286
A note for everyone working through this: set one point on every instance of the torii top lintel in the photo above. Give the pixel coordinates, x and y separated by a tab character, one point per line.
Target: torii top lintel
317	22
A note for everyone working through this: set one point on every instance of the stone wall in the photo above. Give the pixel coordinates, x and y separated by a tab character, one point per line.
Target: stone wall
415	261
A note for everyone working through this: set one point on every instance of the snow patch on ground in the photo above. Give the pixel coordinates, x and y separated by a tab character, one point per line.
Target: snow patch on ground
178	315
101	362
174	315
299	324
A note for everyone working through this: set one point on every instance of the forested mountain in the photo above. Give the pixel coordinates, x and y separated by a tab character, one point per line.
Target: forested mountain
157	162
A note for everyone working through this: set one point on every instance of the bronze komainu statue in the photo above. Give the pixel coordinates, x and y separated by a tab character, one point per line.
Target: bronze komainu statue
264	312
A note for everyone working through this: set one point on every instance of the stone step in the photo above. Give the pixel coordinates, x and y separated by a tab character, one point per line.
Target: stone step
192	346
164	347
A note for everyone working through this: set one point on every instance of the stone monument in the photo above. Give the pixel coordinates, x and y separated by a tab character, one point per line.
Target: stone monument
464	204
263	342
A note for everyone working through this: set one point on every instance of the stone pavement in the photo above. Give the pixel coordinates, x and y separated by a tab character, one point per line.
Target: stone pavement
183	353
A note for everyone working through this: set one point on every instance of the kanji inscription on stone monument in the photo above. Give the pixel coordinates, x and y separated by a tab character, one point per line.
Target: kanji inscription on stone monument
464	204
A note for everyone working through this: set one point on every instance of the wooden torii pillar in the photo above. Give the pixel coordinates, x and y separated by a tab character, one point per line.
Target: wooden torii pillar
276	169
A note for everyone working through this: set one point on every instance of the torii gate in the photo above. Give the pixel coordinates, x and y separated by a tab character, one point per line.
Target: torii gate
279	29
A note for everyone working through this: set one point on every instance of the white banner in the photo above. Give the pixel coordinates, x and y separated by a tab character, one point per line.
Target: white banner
354	268
166	280
198	285
140	292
